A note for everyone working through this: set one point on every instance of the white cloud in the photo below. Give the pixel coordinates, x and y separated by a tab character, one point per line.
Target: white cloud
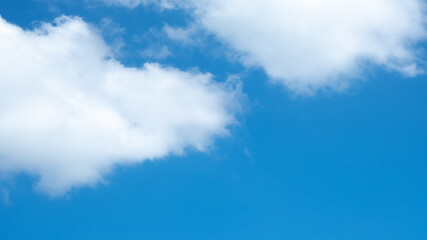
70	112
312	44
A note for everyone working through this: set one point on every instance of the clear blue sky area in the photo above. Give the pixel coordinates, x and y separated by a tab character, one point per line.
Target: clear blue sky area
348	165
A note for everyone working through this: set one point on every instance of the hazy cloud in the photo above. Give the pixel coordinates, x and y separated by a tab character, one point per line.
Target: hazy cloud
165	4
5	196
156	52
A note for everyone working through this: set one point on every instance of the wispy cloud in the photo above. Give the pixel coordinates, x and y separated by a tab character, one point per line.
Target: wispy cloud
5	196
188	35
156	52
164	4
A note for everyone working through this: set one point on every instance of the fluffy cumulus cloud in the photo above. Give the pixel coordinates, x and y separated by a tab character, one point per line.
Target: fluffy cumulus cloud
312	44
70	112
309	44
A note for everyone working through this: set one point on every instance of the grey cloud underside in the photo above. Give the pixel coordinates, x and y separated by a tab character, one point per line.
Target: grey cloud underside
70	112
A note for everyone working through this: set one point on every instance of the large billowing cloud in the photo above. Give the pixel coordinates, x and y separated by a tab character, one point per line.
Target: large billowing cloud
312	44
70	112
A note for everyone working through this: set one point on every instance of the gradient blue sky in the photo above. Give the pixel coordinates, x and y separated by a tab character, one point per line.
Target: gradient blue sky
349	165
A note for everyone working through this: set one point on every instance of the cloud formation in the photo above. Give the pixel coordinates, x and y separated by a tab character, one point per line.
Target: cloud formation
70	112
311	44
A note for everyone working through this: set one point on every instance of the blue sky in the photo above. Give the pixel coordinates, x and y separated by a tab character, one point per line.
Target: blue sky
336	150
